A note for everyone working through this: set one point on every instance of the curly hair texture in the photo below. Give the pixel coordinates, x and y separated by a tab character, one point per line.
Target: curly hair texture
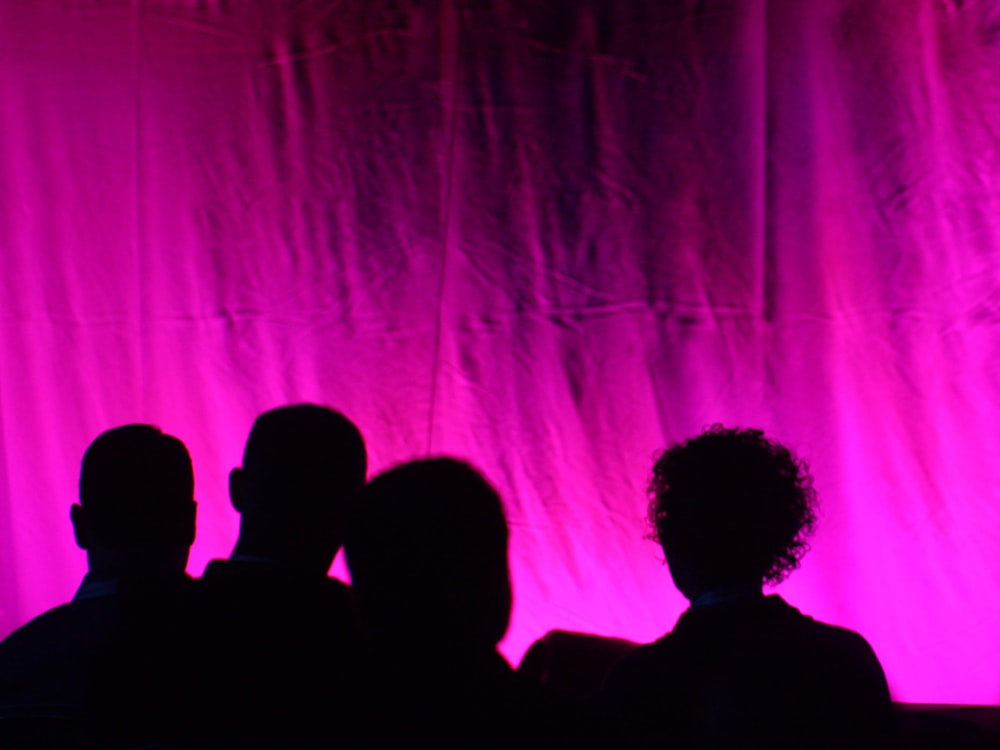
732	505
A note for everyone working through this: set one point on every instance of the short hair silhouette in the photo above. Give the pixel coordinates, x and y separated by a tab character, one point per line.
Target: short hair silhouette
731	508
136	493
303	466
427	554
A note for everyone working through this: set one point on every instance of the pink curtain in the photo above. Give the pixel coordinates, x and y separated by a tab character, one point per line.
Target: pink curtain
550	238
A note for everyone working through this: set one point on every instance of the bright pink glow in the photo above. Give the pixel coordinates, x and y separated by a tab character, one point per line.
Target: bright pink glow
549	242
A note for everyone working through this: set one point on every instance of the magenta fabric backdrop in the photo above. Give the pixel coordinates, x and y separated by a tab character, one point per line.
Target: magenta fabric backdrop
547	237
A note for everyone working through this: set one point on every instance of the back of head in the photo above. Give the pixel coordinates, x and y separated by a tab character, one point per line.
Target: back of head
302	469
137	492
427	553
731	509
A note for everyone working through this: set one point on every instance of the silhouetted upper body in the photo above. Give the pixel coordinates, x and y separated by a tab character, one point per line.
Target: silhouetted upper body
47	665
753	672
428	559
732	511
274	630
135	521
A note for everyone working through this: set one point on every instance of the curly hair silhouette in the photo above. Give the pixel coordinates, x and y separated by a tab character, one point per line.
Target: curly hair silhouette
731	509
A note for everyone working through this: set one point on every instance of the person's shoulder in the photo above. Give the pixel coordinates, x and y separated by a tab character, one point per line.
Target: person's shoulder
848	651
843	655
833	637
66	622
43	661
642	667
221	570
840	637
39	629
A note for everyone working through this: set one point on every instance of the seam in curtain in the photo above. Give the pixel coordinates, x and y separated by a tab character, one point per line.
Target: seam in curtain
137	239
451	60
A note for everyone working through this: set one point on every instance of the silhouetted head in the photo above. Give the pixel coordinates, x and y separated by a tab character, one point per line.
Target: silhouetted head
427	553
302	469
137	505
731	510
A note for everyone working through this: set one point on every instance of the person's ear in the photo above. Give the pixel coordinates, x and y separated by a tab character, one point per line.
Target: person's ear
79	519
236	489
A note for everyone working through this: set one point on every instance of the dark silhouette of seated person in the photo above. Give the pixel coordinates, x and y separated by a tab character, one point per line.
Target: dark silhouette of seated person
732	511
136	522
274	627
427	554
575	665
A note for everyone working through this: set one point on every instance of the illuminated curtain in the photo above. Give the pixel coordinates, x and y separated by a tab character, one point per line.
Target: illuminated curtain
550	238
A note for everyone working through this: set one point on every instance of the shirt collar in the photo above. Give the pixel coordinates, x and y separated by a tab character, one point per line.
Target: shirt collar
718	598
92	587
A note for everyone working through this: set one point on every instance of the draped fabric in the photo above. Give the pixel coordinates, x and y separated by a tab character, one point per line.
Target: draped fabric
547	237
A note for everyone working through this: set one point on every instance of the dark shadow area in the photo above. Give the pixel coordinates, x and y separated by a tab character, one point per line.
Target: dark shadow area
948	727
573	664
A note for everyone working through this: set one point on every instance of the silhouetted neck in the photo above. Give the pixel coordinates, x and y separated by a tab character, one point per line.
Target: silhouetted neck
105	563
723	597
96	585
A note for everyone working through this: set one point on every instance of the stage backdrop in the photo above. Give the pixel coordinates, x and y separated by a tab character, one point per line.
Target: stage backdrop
548	237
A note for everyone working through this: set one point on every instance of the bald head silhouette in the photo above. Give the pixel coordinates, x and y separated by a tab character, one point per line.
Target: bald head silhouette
303	467
136	507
